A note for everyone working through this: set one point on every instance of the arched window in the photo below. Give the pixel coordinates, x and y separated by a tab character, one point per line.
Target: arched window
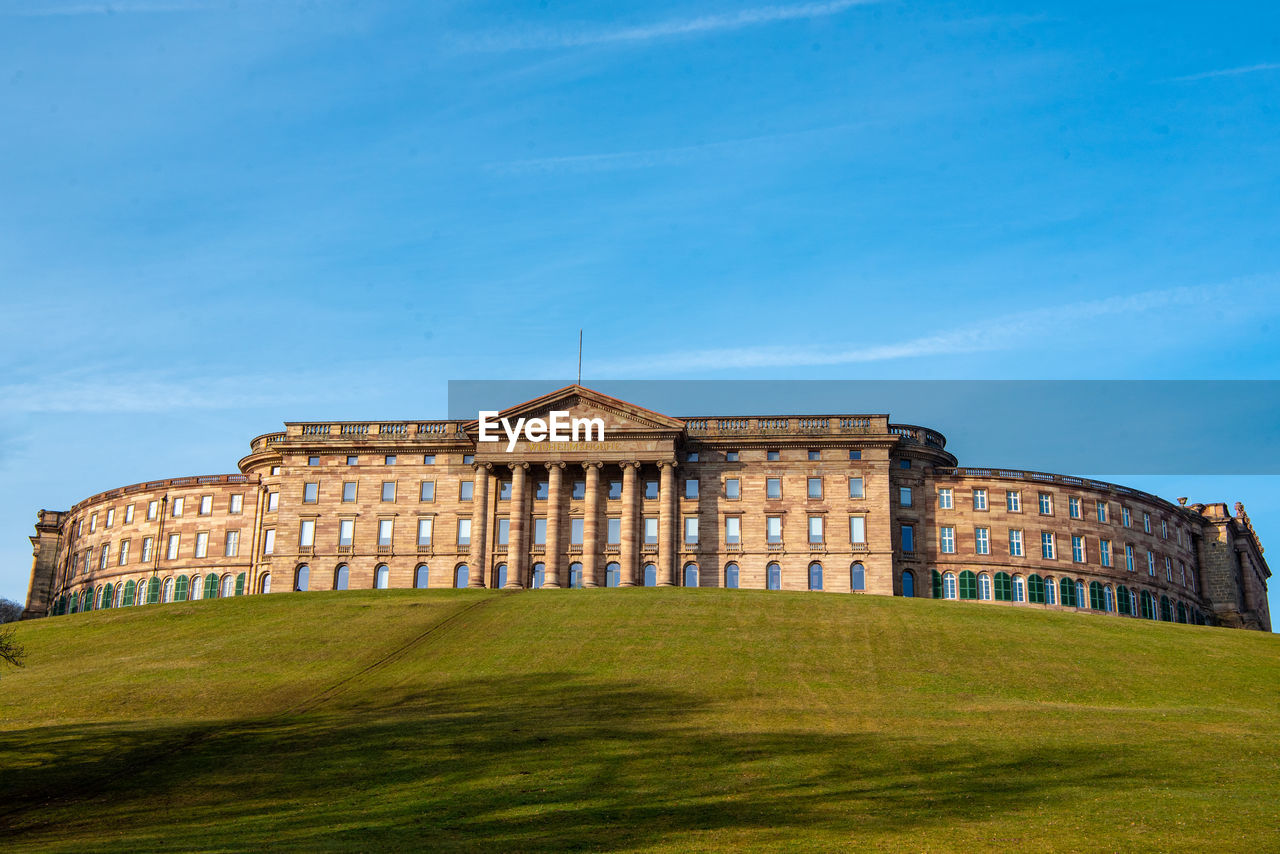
1108	600
1182	613
1148	606
168	590
984	587
153	591
421	577
1166	612
228	586
613	574
382	577
341	577
690	575
1133	602
128	592
815	576
936	577
196	590
650	575
264	583
1004	587
857	578
1019	589
1122	600
501	576
1050	591
75	603
1080	600
575	575
119	595
731	576
773	577
1035	589
180	589
461	576
211	586
539	576
949	585
968	584
1095	596
1068	591
106	595
908	584
302	579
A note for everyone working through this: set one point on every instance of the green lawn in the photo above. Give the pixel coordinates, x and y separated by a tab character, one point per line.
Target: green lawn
679	720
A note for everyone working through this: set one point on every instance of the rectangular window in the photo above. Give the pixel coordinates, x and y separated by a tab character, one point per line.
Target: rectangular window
613	531
904	496
385	526
427	491
815	487
773	487
815	456
428	459
540	531
944	499
172	553
947	540
856	488
651	489
466	489
504	532
111	517
353	459
1124	517
237	504
857	529
349	492
575	531
541	490
152	510
691	530
105	556
177	509
1128	558
773	529
732	489
979	499
815	529
1104	552
691	457
855	455
908	538
615	490
388	490
1146	522
464	532
206	505
389	460
268	541
1046	504
1013	500
275	471
1073	507
1077	549
1151	563
273	501
307	533
730	456
128	514
1015	544
310	493
1047	546
904	464
579	492
424	531
231	547
650	530
982	541
1101	507
772	456
468	459
691	488
202	544
313	461
346	531
1164	529
124	553
1168	568
146	549
732	529
504	490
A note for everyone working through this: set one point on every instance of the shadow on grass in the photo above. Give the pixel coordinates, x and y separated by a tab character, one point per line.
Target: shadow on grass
532	763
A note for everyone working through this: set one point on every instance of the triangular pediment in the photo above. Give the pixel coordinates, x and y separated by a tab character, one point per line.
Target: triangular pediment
619	416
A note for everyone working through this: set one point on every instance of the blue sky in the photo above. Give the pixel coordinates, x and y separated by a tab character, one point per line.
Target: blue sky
216	216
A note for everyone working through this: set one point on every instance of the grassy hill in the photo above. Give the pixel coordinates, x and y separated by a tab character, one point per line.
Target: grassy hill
679	720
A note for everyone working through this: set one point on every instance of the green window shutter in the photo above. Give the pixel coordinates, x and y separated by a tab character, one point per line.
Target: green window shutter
180	589
1035	589
1122	599
128	592
968	585
240	584
1004	587
211	586
1066	592
153	591
106	595
937	584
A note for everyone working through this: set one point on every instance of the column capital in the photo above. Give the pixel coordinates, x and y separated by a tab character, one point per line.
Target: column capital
592	464
662	464
554	465
485	466
634	465
519	465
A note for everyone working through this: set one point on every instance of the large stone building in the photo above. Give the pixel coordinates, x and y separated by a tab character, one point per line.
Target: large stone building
843	503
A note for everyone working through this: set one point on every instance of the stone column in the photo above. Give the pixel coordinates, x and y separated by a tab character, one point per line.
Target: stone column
630	547
667	525
518	542
479	524
591	527
554	562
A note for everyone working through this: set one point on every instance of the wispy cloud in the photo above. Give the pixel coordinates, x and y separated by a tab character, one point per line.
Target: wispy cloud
1228	72
671	28
111	392
118	7
1001	333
